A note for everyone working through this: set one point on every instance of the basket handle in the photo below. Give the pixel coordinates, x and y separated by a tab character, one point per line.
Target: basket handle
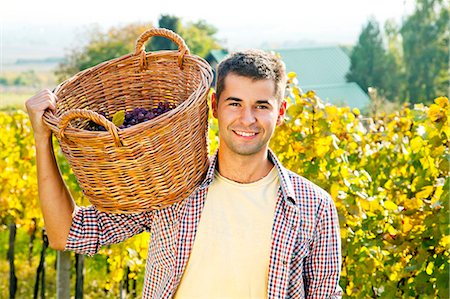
67	116
140	43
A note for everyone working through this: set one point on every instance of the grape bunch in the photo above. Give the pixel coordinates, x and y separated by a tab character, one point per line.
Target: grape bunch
133	117
93	126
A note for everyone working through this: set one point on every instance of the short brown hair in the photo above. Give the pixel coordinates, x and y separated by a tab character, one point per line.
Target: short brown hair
254	64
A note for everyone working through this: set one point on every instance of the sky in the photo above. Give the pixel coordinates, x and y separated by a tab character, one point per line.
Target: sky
31	28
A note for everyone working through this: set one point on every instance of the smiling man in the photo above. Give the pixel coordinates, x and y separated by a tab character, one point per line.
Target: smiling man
252	229
264	231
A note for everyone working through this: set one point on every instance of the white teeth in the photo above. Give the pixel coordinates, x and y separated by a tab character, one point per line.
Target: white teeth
245	134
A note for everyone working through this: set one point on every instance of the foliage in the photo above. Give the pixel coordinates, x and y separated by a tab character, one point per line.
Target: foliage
408	62
24	78
161	43
199	36
28	78
18	189
388	175
99	47
118	41
371	65
426	40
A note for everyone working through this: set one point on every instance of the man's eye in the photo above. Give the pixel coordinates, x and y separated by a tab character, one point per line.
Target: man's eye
234	104
262	107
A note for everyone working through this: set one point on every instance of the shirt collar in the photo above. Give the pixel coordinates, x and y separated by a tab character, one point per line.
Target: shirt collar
285	183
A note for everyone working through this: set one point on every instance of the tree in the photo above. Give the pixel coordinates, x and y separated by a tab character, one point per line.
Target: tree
161	43
118	41
371	65
100	47
394	83
199	36
425	37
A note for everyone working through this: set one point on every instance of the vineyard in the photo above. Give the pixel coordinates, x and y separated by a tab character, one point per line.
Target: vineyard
388	175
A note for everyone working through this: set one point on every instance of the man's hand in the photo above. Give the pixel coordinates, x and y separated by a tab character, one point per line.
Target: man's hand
36	106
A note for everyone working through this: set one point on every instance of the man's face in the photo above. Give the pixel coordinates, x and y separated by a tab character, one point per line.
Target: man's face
247	113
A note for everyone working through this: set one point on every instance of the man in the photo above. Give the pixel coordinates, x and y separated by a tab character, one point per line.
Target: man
252	229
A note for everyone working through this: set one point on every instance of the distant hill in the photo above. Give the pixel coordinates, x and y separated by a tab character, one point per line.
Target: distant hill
29	43
50	60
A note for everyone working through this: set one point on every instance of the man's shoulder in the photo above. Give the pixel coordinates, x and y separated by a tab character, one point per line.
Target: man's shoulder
306	190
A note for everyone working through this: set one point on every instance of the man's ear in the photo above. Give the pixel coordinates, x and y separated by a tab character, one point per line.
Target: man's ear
281	112
214	104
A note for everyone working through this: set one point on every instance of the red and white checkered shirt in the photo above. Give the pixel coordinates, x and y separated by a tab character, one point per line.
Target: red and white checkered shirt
305	259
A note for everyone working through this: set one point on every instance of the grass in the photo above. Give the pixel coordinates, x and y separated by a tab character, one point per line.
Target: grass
14	97
14	100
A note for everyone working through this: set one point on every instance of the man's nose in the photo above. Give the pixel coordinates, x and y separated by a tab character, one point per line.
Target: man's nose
247	116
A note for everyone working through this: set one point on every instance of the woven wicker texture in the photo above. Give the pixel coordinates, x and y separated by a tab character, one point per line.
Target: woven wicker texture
152	164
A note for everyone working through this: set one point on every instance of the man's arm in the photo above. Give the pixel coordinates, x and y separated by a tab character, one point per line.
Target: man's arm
323	265
55	200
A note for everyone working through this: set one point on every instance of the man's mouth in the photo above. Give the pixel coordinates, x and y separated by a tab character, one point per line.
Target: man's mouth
245	134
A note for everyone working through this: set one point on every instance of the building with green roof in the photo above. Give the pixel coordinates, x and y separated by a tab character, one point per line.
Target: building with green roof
321	69
213	58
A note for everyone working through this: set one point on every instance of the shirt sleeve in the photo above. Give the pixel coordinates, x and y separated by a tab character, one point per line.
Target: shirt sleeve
92	229
323	265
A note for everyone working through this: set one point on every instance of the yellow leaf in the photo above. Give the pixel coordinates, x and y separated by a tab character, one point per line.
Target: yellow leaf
435	113
322	146
445	241
390	205
310	94
441	101
131	275
349	288
425	161
118	275
430	268
437	194
365	204
391	230
332	113
291	75
413	204
425	192
298	147
406	224
334	190
118	118
370	236
393	276
416	144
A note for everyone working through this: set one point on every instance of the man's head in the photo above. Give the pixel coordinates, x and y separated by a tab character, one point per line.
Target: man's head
248	102
256	65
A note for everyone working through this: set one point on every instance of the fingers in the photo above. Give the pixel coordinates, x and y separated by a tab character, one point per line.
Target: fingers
36	106
42	101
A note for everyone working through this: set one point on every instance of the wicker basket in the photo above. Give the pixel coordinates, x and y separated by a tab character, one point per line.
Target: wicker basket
150	165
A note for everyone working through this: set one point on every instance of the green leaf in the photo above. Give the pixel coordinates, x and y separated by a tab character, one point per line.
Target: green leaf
118	118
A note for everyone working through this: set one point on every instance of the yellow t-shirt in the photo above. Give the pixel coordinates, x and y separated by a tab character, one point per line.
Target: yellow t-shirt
231	252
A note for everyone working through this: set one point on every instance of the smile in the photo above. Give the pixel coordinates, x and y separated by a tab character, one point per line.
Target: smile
245	134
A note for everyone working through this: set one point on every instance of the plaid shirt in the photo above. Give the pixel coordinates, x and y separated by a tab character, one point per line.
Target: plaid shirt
305	259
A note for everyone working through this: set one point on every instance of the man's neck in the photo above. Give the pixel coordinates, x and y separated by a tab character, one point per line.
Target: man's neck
243	168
